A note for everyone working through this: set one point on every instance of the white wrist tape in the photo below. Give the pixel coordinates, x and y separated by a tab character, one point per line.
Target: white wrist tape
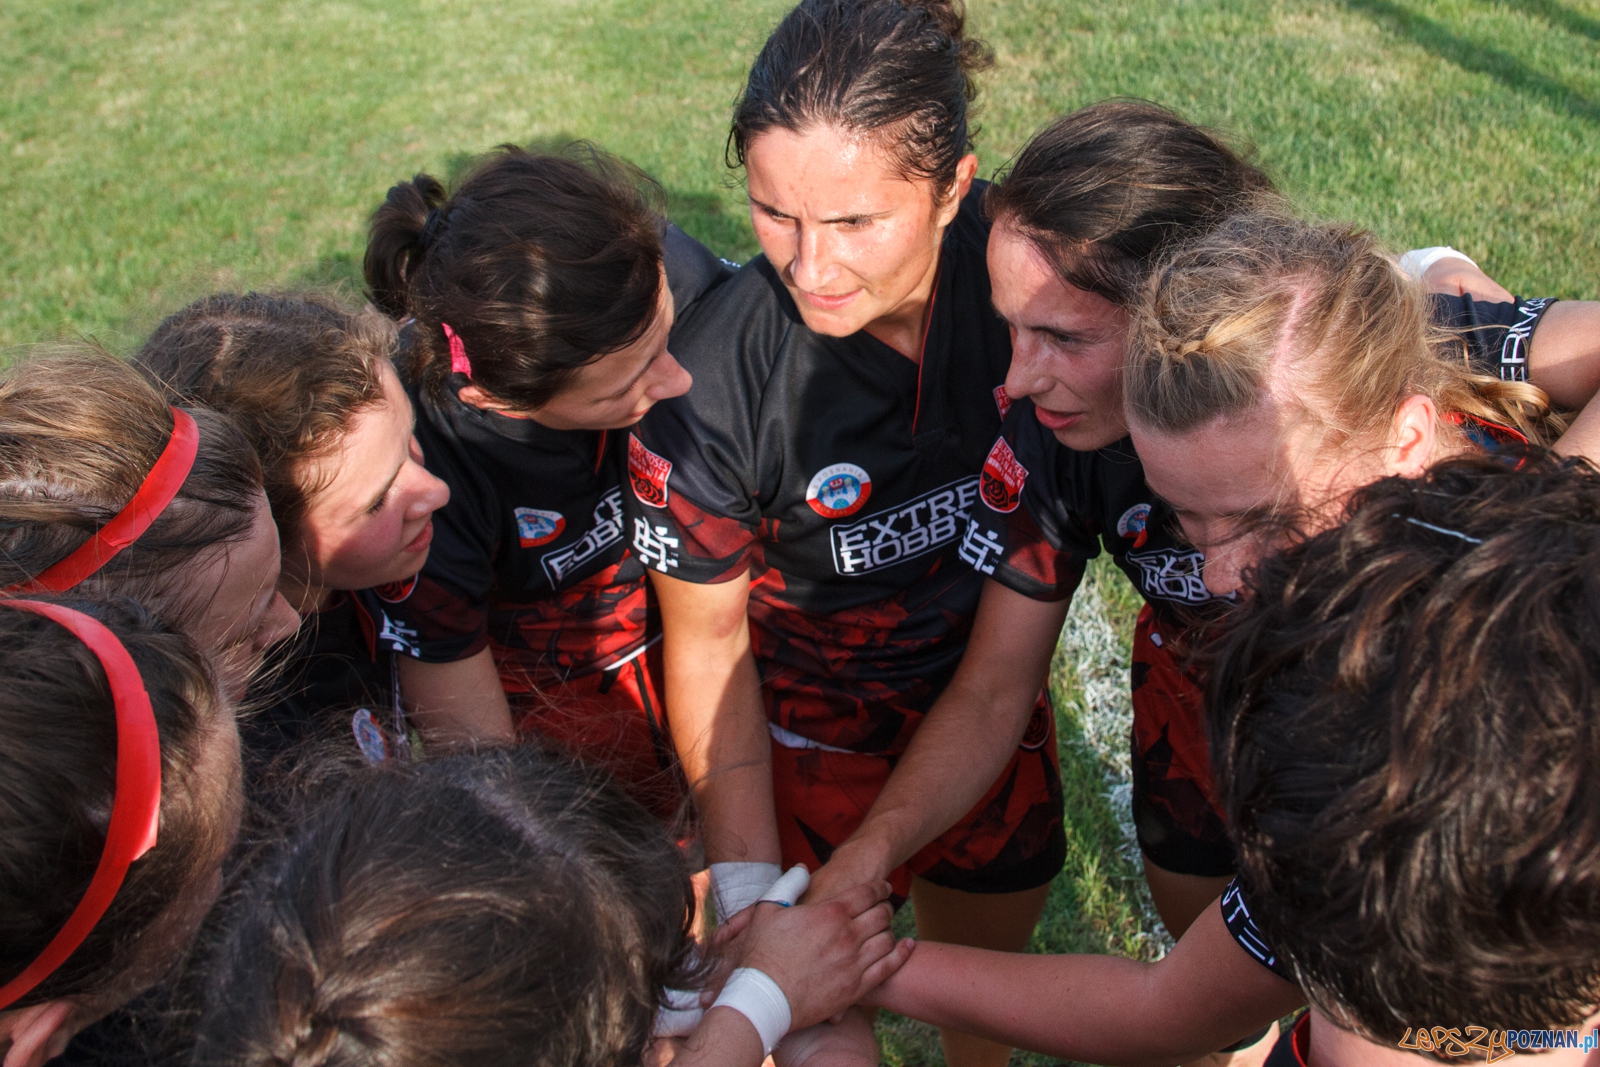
1417	261
681	1014
757	997
736	886
790	888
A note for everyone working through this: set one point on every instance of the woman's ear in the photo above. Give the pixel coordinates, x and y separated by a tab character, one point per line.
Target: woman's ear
38	1033
1413	435
966	170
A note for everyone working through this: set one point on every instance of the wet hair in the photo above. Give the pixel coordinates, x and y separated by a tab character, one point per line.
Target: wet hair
1404	717
1105	192
79	432
898	71
1268	304
57	781
538	263
290	369
508	907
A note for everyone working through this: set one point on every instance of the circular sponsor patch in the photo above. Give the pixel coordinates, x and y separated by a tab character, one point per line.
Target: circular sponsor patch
1133	524
537	527
1038	731
839	490
395	592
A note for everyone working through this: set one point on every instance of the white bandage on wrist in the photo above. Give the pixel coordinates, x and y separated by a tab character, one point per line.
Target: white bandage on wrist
736	886
680	1015
788	889
1417	261
757	997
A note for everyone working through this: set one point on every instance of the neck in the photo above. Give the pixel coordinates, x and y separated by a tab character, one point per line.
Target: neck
902	329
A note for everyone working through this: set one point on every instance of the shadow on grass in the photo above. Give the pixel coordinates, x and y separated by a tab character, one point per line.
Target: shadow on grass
1505	68
1562	17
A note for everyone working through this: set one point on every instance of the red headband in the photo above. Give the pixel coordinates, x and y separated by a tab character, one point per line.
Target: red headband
135	806
129	524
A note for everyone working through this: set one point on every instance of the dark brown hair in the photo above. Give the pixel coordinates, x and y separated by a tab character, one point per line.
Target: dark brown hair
1106	191
900	71
79	431
508	907
291	369
1405	720
539	263
57	780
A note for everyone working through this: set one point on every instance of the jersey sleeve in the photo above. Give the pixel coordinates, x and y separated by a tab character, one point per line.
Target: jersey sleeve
1242	925
1496	335
691	502
1027	531
442	616
692	269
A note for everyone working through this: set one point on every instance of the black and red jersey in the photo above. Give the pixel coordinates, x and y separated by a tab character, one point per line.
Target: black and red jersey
842	474
530	555
1049	509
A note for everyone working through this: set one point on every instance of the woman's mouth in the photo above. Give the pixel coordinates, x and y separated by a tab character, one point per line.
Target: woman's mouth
422	540
1057	421
828	302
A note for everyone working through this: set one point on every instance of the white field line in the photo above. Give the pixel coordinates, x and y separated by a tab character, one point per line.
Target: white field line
1100	664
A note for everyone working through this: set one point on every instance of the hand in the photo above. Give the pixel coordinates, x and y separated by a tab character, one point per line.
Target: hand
825	956
849	866
1455	276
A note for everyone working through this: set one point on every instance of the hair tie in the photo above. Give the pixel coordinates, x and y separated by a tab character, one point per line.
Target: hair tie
135	805
157	491
430	229
459	364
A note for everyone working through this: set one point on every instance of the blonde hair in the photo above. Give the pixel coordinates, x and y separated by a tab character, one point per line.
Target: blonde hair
1354	333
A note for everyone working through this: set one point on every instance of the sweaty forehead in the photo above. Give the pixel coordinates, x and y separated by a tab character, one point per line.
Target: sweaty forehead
823	172
1225	466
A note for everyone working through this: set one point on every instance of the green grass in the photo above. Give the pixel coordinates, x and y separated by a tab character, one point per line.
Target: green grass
156	150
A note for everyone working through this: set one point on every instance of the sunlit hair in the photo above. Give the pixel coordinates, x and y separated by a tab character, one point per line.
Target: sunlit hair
79	431
503	908
1109	189
898	71
291	369
57	780
1315	314
1406	718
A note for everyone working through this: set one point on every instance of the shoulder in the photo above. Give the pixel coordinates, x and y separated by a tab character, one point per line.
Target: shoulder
744	322
692	269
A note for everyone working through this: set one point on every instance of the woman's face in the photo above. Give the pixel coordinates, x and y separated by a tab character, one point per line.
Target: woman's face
854	240
1067	344
372	520
240	611
612	392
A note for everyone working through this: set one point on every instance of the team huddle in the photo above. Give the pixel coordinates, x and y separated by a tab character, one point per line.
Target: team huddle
378	681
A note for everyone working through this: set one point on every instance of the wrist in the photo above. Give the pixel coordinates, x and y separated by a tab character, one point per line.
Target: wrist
753	994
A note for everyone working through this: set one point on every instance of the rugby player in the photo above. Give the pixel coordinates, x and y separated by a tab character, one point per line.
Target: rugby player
800	508
540	295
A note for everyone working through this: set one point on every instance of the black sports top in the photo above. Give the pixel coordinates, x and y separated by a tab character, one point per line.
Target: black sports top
841	474
529	553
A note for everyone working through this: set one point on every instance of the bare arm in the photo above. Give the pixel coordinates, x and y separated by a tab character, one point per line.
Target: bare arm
963	743
458	703
718	722
1206	993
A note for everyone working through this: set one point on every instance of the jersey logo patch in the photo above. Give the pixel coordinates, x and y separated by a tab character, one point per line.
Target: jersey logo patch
1002	479
915	528
1002	400
1038	731
839	490
647	473
537	527
1166	574
561	563
1134	523
395	592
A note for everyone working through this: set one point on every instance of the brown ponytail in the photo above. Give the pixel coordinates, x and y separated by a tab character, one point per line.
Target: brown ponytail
1319	308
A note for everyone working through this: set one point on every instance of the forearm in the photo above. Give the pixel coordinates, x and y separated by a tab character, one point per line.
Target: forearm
1098	1009
718	722
963	742
1564	353
724	1038
455	704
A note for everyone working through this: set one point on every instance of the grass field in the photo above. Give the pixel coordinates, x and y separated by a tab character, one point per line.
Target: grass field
156	150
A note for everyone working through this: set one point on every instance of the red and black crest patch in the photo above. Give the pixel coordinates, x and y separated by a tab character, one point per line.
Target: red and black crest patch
647	473
1003	477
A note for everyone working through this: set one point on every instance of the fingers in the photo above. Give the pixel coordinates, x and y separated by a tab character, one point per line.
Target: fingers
874	920
877	973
